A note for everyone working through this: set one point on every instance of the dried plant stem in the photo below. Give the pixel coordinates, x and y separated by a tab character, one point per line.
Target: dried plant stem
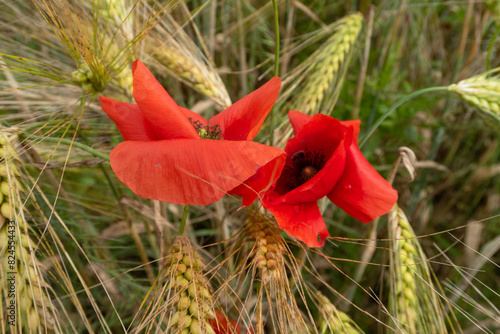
366	256
185	214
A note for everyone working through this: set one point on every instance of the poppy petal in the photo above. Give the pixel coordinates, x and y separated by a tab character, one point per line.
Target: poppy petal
243	119
355	124
225	325
327	138
193	117
260	181
187	171
129	119
158	107
303	221
361	192
297	119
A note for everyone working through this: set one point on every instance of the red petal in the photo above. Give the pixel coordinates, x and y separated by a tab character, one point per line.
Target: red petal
361	192
225	325
194	116
187	171
303	221
158	107
355	125
243	119
261	181
298	119
327	136
129	119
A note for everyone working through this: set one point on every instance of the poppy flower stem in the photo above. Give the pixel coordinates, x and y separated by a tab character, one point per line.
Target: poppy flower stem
397	105
276	63
184	218
73	143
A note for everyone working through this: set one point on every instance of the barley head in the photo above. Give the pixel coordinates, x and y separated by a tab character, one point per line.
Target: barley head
274	267
268	248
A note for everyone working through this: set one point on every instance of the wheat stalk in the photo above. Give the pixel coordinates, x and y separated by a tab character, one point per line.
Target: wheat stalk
414	303
25	286
483	92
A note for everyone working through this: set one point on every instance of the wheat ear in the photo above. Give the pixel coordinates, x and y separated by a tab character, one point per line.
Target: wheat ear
483	92
25	287
414	302
321	75
273	265
188	295
334	321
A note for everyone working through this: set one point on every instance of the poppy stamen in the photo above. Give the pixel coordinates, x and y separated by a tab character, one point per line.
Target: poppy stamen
303	166
307	173
207	131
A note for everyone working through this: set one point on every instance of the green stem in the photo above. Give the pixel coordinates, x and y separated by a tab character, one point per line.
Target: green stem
184	218
76	144
36	125
276	63
397	105
277	40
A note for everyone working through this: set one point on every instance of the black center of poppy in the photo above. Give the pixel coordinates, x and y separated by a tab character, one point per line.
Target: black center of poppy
207	131
303	166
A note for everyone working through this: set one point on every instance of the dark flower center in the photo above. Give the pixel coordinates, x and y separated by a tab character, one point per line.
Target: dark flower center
207	131
303	166
308	172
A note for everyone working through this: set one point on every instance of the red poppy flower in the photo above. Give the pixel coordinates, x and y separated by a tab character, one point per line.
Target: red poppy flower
224	325
323	159
165	158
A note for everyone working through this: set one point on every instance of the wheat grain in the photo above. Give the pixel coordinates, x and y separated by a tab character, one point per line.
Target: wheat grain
185	302
267	251
178	54
414	302
318	79
18	264
483	92
334	321
272	264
